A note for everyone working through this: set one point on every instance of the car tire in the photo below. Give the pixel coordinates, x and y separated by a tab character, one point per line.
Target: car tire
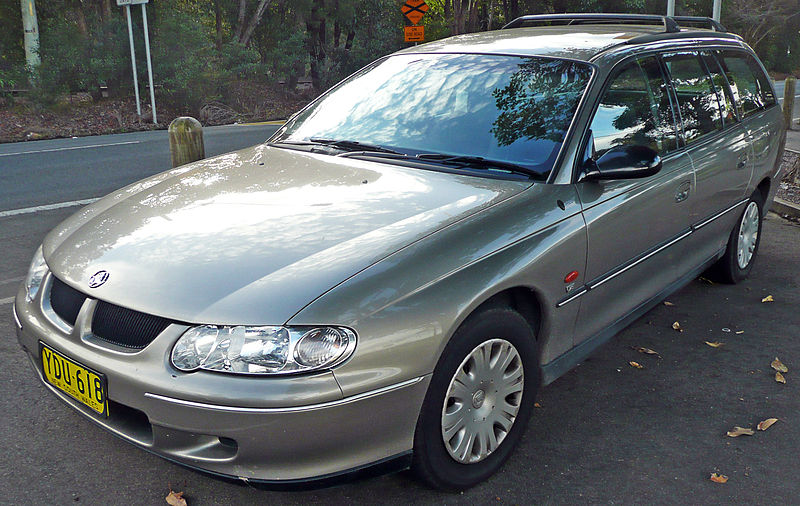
508	340
743	242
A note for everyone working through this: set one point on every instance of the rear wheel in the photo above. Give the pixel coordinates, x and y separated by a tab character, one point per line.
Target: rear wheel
479	400
743	243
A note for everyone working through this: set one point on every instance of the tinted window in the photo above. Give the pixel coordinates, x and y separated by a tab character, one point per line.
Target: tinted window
504	108
721	87
697	100
750	86
634	110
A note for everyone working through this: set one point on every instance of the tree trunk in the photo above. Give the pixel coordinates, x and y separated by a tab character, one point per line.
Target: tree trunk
218	24
472	25
240	20
351	35
251	26
315	26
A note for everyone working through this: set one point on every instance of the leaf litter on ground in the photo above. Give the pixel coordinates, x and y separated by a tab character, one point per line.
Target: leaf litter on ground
778	365
715	344
718	478
677	326
766	424
740	431
175	498
646	351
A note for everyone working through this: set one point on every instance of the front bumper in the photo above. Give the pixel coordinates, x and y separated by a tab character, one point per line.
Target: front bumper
275	430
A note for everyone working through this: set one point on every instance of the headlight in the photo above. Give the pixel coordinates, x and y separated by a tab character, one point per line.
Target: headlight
262	350
35	275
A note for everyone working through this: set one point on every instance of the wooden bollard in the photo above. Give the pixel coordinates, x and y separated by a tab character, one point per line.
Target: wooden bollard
186	141
788	101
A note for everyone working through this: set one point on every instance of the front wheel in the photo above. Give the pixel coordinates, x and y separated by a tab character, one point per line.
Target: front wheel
479	400
743	243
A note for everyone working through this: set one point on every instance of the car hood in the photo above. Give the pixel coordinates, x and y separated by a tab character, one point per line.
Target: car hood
253	236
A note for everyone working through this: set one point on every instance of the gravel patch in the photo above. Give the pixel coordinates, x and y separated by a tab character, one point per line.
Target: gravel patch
788	190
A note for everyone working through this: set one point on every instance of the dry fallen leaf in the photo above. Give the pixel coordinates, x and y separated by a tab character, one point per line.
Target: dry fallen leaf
740	431
668	303
537	405
677	326
636	364
779	378
175	499
705	280
766	424
768	298
646	351
778	365
715	344
718	478
739	332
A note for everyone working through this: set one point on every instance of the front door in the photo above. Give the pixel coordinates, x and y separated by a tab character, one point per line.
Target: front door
634	226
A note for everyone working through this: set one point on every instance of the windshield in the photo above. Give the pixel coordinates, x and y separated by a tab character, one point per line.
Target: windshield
503	108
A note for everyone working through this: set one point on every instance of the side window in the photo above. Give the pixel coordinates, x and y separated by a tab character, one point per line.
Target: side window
751	88
700	110
634	110
721	87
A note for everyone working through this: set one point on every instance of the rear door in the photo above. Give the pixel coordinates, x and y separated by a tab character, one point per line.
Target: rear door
757	106
633	224
717	143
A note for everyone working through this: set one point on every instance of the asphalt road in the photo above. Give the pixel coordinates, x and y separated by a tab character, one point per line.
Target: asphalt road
62	170
606	432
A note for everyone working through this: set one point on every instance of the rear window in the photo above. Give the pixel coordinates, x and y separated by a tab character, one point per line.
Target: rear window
750	86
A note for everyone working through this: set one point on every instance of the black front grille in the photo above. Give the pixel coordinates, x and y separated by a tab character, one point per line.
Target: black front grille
126	327
65	301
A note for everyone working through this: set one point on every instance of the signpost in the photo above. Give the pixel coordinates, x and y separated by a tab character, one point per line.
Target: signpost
414	10
127	4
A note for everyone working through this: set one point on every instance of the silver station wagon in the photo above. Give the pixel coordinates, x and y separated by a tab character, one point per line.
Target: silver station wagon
390	278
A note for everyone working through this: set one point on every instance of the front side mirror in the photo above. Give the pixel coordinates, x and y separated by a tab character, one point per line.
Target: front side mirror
623	162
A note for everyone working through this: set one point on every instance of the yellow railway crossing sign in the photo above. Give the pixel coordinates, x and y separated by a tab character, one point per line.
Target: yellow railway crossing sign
415	10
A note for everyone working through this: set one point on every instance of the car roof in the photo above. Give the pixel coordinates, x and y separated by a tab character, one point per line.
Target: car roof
577	42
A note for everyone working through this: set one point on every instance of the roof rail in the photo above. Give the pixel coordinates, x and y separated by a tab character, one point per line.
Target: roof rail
670	26
699	22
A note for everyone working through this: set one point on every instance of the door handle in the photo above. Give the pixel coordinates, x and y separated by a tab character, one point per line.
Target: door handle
683	191
742	162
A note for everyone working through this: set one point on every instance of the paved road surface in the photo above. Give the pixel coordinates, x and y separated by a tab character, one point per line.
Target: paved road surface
61	170
606	432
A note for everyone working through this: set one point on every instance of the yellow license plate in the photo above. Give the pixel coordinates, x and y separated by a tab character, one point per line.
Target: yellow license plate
77	381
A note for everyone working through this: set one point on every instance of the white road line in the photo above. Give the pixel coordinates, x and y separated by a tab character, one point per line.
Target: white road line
73	147
47	207
8	300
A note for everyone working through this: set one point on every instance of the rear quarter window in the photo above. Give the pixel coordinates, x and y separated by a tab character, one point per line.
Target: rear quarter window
750	86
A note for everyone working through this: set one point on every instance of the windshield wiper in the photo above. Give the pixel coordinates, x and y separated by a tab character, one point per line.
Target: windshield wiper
479	162
353	145
349	147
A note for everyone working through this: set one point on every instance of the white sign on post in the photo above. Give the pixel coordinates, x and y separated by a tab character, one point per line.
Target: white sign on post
127	4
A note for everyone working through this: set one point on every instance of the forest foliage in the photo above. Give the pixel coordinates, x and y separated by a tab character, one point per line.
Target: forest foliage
201	48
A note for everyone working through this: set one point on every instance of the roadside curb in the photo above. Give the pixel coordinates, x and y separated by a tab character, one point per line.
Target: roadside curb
786	209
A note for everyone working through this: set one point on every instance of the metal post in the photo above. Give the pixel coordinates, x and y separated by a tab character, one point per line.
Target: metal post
717	10
149	65
670	7
133	61
30	26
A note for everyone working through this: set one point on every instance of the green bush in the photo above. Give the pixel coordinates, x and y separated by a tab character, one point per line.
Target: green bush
184	61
